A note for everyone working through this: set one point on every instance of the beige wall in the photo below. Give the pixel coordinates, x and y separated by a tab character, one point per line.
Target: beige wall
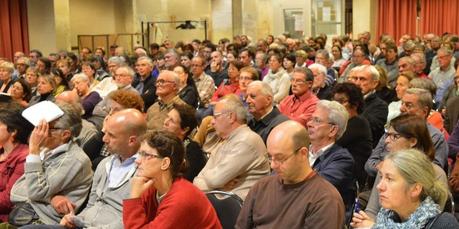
256	18
91	17
174	10
42	34
364	16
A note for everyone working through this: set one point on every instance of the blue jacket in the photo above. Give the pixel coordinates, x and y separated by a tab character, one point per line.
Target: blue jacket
336	165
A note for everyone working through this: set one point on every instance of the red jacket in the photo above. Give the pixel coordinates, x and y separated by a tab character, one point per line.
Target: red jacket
184	206
10	170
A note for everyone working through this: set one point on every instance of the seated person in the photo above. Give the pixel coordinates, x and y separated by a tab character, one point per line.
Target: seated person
167	86
260	105
328	159
405	132
160	197
418	102
45	88
55	165
241	159
88	99
181	120
187	91
296	196
302	103
123	134
357	137
15	131
410	195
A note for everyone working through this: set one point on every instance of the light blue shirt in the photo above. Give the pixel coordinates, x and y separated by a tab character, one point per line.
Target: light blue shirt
117	171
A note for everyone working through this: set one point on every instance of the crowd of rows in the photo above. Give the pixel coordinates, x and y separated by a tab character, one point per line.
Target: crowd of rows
300	130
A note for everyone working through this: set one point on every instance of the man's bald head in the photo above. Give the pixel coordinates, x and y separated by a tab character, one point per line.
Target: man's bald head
289	133
68	97
130	120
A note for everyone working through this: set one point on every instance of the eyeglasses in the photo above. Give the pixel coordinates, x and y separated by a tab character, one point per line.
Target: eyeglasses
296	81
271	159
161	82
393	136
148	156
318	121
357	78
218	114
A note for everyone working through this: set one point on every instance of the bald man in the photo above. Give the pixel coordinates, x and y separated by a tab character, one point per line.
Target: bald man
295	197
111	180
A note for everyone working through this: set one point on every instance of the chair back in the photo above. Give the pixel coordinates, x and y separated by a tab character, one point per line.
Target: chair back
227	205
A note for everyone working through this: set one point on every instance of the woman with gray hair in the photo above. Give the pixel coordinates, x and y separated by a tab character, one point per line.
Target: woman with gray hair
410	195
88	99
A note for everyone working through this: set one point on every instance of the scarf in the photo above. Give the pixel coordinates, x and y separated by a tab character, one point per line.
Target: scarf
418	219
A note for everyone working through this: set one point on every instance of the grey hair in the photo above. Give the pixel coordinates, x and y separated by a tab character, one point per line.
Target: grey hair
408	59
337	114
26	60
118	60
81	77
322	69
325	53
265	89
129	70
7	66
372	70
416	168
71	120
424	97
445	50
421	56
308	76
148	59
234	104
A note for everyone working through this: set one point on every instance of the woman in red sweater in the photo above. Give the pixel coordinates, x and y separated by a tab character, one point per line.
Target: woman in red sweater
14	131
160	197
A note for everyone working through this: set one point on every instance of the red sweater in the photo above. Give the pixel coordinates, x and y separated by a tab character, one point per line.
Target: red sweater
10	170
184	206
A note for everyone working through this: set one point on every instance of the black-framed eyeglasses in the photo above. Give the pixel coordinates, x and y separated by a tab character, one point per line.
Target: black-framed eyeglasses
393	135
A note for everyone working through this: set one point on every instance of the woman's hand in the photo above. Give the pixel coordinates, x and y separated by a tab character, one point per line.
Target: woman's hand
38	136
139	185
361	219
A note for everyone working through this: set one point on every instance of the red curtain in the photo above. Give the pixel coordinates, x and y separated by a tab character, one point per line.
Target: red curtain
396	18
13	27
439	16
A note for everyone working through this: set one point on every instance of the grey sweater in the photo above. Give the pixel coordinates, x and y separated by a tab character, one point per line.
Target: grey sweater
104	209
66	172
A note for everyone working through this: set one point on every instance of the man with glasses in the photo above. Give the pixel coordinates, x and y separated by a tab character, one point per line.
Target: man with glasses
302	103
418	102
328	159
204	83
56	165
443	75
167	86
296	196
241	159
111	184
375	110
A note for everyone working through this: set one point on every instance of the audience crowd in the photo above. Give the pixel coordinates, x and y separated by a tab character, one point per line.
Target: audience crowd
305	132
